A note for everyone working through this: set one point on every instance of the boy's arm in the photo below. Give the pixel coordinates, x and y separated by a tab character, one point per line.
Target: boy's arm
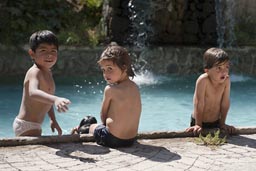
225	103
199	98
53	123
105	104
39	95
199	101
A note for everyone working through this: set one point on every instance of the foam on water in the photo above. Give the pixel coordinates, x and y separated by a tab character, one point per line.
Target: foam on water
239	78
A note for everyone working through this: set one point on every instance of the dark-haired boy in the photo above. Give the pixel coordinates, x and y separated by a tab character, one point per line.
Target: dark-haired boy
39	87
212	93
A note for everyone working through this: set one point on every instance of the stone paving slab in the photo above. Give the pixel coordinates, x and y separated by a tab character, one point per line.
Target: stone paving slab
239	153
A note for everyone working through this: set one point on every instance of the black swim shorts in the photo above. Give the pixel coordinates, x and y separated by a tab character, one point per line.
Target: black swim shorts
214	124
105	138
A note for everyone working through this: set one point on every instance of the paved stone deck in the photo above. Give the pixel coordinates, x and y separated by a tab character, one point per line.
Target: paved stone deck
239	153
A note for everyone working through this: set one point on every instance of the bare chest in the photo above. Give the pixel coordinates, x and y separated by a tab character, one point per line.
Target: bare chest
47	84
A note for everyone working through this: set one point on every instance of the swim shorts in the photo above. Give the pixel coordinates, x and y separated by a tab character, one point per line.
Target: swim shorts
214	124
105	138
20	126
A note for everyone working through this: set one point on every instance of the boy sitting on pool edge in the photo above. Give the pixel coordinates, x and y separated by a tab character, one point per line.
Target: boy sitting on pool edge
121	106
212	93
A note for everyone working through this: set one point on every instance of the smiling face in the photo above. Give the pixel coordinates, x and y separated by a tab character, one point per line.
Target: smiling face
219	72
111	72
45	55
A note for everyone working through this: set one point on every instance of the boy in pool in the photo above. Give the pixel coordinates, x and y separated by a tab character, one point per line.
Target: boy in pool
39	87
121	106
212	91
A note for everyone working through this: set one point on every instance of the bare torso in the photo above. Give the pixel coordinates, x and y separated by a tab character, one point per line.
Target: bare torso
213	95
33	110
124	110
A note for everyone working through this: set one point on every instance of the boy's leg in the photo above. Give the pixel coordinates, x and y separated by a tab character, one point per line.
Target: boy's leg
92	128
34	132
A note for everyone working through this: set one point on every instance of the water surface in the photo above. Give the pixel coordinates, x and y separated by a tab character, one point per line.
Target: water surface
166	102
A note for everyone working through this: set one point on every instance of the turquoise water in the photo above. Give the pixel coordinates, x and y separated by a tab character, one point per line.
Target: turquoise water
166	102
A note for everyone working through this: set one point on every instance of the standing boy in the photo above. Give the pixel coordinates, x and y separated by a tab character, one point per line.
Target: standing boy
212	93
38	92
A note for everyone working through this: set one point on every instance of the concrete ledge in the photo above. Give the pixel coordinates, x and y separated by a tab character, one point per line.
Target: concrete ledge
89	138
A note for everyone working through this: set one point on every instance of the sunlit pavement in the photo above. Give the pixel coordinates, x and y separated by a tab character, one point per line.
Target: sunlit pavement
239	153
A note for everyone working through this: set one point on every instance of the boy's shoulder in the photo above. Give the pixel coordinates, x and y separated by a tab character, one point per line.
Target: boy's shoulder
34	72
203	77
121	86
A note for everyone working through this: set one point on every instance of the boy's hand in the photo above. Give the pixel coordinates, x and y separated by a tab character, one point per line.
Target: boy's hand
228	128
55	125
62	104
196	129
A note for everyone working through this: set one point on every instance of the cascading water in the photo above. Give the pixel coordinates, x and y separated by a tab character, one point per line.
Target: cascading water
225	22
141	30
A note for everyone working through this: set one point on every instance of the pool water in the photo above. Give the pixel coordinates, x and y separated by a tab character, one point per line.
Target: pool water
166	102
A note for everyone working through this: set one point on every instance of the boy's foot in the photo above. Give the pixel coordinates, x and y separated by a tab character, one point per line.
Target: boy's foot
85	123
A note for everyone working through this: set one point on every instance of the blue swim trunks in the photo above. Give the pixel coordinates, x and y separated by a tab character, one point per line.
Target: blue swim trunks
105	138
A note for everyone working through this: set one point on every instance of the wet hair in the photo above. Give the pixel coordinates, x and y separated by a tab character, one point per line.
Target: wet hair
214	56
42	36
119	56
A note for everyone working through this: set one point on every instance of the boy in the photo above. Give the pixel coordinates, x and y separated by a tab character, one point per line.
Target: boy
121	106
211	96
38	91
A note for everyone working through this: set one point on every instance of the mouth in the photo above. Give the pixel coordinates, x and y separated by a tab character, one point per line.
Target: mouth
222	77
48	61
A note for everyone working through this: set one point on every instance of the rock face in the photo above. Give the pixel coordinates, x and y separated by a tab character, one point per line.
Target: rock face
158	60
222	23
183	22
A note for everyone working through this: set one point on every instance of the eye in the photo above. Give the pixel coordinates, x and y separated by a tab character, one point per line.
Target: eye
109	69
54	51
42	50
218	68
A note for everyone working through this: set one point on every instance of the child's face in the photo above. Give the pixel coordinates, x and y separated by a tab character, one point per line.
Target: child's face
45	55
111	72
220	71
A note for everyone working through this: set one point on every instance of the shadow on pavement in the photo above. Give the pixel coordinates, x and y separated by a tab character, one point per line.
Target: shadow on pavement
151	152
79	151
240	140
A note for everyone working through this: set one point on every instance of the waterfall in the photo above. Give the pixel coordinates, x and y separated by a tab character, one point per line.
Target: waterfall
141	13
225	22
140	16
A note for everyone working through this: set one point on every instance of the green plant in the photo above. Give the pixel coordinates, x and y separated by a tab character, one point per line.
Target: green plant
69	20
211	139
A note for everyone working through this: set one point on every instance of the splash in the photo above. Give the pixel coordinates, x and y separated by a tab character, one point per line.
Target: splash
239	78
146	78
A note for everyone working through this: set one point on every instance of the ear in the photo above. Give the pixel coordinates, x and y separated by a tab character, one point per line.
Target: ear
31	53
124	68
206	70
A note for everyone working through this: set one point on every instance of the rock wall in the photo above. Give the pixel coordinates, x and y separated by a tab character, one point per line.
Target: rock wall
159	60
179	22
225	23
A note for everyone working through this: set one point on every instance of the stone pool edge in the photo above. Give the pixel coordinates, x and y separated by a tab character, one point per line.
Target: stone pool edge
16	141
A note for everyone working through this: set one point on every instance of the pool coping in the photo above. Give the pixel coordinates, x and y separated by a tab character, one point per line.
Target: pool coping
17	141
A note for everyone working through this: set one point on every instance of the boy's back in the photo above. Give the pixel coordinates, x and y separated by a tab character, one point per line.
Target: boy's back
124	110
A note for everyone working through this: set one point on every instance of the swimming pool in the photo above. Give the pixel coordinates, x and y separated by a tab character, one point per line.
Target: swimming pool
166	102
